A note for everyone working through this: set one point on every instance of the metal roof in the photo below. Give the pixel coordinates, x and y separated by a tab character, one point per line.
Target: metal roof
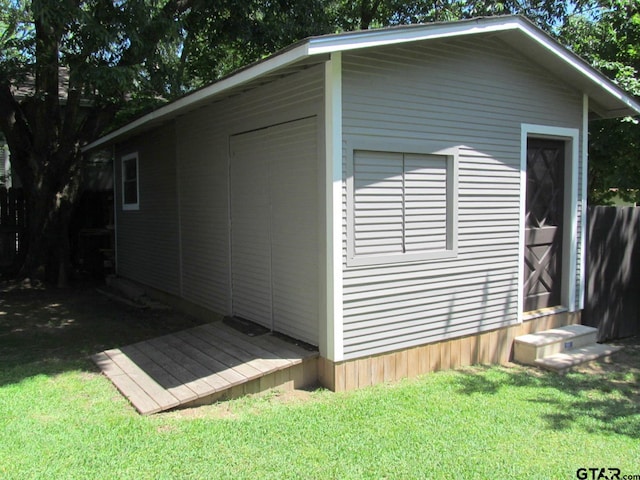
607	100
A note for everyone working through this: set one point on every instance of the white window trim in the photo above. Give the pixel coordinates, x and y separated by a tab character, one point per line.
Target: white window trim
451	250
570	227
126	158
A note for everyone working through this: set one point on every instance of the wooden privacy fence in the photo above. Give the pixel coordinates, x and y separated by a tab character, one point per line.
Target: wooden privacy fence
612	302
12	227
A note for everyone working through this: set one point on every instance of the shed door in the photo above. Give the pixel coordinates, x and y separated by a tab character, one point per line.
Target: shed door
544	218
274	228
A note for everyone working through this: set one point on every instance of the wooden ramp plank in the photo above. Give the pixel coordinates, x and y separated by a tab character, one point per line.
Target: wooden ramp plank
156	351
183	354
159	374
220	352
142	391
269	342
252	345
180	368
141	378
136	395
247	351
106	365
242	356
206	357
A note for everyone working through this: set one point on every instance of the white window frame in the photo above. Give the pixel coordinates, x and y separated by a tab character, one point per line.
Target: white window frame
451	249
128	158
570	137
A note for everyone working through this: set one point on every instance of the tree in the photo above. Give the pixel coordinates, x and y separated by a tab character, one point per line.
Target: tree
364	14
89	65
78	60
116	59
608	35
221	37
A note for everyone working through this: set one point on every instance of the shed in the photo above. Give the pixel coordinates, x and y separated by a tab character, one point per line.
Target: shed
411	197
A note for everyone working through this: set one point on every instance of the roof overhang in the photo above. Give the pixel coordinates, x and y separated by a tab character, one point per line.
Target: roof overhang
607	100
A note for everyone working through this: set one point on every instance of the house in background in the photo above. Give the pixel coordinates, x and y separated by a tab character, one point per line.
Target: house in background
5	164
409	198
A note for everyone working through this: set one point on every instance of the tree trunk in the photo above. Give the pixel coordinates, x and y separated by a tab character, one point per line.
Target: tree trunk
62	252
35	260
66	201
48	249
49	209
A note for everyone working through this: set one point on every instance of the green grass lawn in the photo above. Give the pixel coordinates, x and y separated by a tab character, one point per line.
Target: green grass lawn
59	418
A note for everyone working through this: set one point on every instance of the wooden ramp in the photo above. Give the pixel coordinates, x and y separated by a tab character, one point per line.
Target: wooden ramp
204	364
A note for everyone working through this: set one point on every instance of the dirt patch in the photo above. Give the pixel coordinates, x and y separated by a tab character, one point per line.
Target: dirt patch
40	323
250	404
620	371
219	410
626	360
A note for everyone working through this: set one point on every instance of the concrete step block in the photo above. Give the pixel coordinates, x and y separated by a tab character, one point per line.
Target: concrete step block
562	362
533	346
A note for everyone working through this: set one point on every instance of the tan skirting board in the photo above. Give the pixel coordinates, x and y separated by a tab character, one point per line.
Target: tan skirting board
493	347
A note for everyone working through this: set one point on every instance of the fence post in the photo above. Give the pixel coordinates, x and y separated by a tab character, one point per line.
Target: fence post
12	227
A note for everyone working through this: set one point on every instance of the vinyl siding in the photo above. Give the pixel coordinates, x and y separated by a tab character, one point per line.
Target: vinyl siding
462	94
274	227
148	237
400	205
203	152
251	234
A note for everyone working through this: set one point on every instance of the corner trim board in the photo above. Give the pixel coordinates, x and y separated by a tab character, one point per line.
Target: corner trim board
583	200
333	209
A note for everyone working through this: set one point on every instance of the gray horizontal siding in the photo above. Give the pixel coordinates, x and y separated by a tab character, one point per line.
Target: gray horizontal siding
274	227
148	238
203	150
399	202
204	210
450	94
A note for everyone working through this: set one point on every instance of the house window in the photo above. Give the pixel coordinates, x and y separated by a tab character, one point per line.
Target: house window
401	207
130	187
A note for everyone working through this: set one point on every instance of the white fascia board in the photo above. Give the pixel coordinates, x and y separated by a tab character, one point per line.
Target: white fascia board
243	76
374	38
578	64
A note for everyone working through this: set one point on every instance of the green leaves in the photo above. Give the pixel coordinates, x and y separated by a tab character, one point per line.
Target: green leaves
609	37
134	54
16	33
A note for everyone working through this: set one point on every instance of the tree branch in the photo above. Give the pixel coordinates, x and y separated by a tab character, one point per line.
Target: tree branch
15	128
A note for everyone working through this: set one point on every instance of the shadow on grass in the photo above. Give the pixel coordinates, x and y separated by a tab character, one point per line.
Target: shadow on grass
49	331
602	397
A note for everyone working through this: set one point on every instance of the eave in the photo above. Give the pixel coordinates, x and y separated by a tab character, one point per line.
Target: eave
607	100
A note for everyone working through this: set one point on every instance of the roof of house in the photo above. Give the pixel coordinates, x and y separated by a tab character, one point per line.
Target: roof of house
607	100
26	87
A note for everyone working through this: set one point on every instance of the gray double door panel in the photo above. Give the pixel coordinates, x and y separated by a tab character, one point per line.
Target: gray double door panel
274	227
